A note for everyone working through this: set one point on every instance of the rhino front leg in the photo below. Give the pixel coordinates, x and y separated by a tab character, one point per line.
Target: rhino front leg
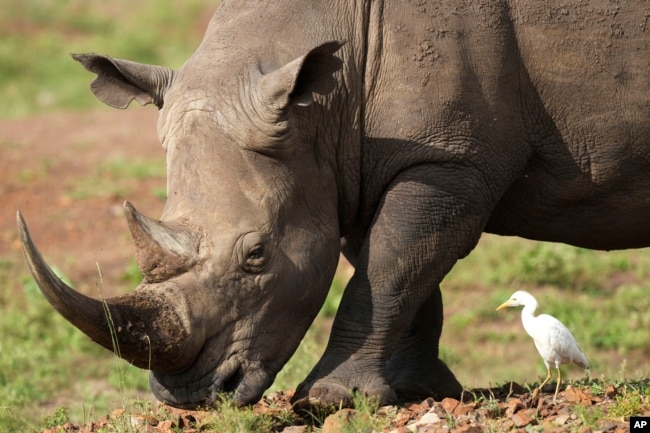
415	371
429	217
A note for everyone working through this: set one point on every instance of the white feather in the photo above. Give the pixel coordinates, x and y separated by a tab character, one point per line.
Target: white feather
554	342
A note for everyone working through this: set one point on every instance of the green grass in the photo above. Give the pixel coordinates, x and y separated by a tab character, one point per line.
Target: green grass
37	73
115	178
632	401
39	173
228	418
602	297
43	357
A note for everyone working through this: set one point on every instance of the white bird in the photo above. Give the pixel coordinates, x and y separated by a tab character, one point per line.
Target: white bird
553	340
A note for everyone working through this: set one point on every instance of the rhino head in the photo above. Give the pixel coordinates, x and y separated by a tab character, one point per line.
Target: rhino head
241	260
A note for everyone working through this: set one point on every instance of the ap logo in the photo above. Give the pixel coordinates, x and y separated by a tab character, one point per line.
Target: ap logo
640	424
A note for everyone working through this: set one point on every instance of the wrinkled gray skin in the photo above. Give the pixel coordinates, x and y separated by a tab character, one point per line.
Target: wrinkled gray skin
396	132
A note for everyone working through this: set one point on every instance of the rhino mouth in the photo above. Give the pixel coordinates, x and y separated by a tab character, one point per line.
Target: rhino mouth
235	378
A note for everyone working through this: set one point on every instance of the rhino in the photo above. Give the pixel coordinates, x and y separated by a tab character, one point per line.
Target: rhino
395	133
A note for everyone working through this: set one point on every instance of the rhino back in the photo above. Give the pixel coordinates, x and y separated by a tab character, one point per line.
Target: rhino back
587	115
554	97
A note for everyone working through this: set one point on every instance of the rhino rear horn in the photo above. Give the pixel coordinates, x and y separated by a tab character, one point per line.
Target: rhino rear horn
163	250
148	328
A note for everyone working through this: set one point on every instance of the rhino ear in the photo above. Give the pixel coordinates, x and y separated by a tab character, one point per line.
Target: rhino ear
297	81
119	82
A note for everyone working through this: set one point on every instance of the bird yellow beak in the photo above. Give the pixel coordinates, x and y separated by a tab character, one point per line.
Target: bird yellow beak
504	305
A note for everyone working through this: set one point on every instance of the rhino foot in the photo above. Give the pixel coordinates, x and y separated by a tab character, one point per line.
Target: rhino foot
329	394
415	383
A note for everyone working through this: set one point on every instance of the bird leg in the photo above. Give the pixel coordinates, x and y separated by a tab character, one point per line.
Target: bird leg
548	377
557	387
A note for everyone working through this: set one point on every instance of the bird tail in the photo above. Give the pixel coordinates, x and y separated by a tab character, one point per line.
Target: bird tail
581	360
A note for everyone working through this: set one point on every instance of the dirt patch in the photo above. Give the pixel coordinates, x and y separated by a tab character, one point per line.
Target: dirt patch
46	159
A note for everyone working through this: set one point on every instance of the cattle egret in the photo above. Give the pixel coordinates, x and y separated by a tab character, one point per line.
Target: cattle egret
553	340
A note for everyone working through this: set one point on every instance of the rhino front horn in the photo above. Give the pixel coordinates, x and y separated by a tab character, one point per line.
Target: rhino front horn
148	327
163	250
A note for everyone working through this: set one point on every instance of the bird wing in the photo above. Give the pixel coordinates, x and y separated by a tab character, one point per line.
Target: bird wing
562	343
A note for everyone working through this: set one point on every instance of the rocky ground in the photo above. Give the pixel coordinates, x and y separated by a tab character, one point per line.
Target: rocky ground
508	408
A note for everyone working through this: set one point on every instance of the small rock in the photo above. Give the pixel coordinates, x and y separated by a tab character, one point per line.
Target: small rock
387	410
506	425
565	409
139	419
416	409
562	419
470	428
490	413
574	395
117	413
610	391
337	421
541	402
295	429
93	426
545	411
463	409
427	420
524	417
430	401
166	426
610	427
514	405
594	398
450	404
402	418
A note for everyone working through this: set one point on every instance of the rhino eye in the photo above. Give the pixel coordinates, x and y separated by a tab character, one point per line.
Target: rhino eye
254	254
255	259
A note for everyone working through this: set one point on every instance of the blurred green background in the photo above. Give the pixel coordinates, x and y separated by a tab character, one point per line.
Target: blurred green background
48	370
37	37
